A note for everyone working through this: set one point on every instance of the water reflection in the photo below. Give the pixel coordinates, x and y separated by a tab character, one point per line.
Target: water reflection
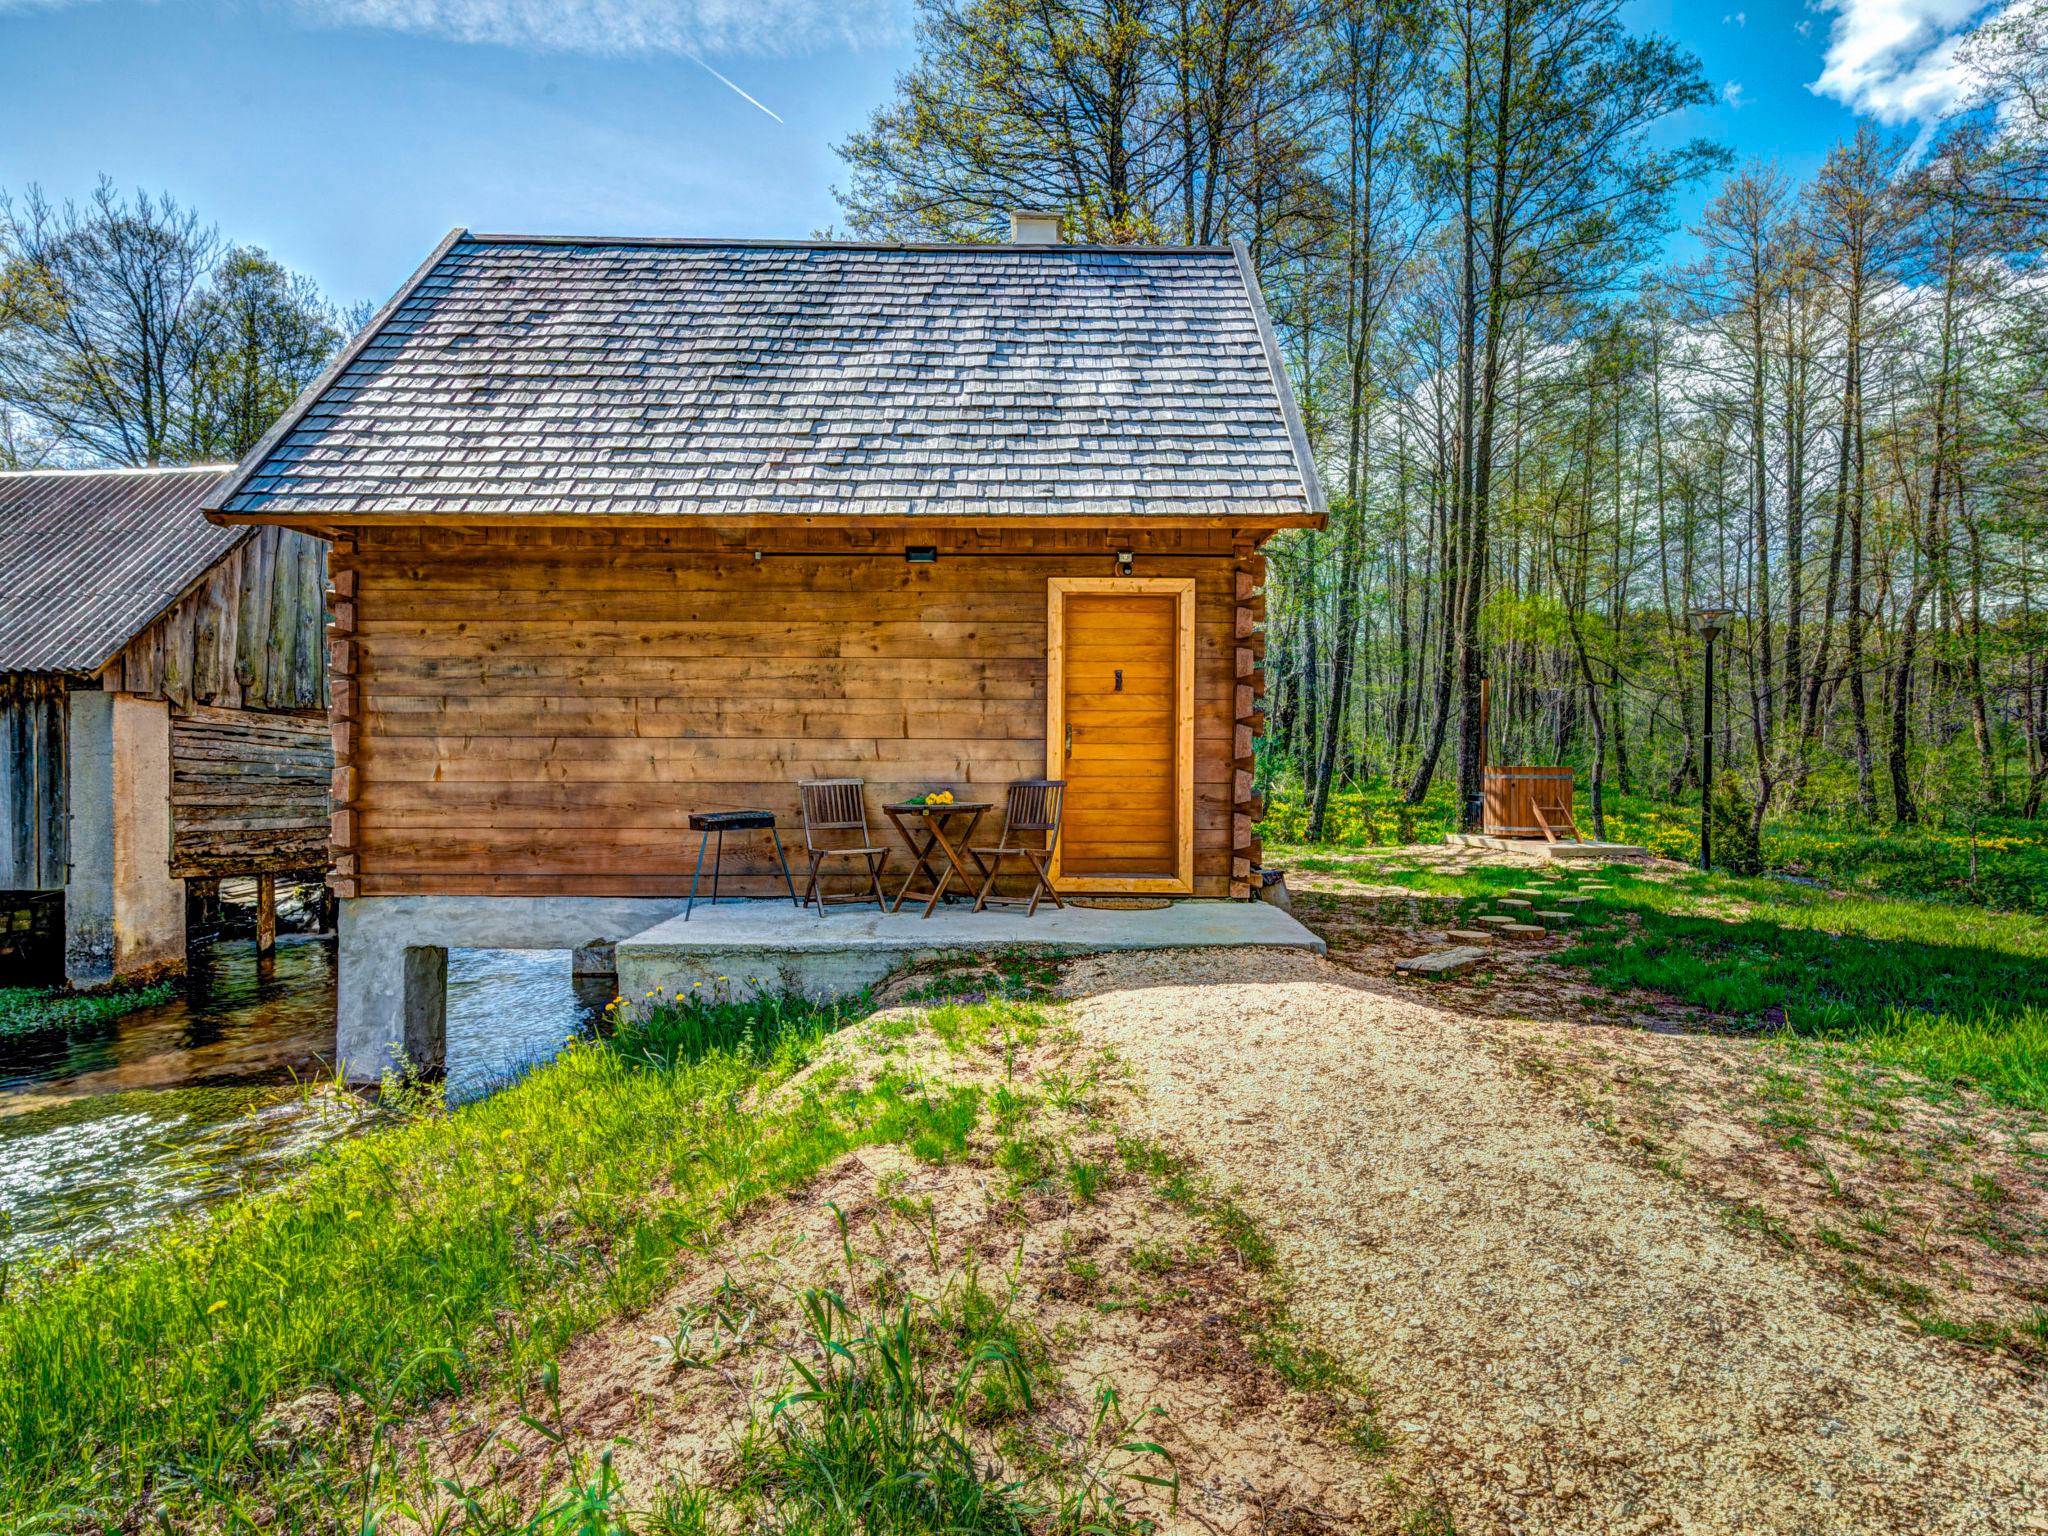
102	1136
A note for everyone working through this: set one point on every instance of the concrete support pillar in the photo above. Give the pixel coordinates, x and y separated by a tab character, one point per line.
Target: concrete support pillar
124	914
391	1000
426	1010
392	962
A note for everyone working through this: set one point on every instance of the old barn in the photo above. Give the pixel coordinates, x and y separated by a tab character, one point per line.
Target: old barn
162	713
624	530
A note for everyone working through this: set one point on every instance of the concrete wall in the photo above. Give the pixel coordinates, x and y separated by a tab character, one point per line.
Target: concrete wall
124	916
392	962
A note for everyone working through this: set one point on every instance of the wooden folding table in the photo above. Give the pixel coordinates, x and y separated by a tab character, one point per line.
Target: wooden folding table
938	838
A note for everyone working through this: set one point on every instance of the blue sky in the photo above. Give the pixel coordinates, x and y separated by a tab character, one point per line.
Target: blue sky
346	136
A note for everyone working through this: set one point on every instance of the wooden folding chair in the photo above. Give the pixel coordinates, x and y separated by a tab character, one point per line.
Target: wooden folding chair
1031	831
833	808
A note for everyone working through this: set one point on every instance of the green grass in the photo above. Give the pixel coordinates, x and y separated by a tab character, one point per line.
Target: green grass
1957	995
35	1010
441	1255
871	1436
1930	861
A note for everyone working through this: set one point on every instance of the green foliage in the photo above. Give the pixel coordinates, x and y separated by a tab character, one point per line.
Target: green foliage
1932	861
1359	816
1956	995
1736	846
668	1031
2001	862
32	1010
443	1254
140	337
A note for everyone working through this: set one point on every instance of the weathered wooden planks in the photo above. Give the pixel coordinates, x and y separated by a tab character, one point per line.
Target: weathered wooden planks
246	637
34	816
532	711
248	792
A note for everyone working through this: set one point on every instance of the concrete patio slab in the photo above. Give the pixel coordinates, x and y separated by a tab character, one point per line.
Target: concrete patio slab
770	946
1556	853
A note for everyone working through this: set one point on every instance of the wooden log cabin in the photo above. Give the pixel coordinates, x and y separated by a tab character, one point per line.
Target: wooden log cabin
627	529
162	714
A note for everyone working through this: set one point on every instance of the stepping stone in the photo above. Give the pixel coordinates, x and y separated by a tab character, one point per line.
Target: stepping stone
1495	920
1522	931
1573	901
1552	918
1442	963
1511	901
1594	885
1527	890
1469	936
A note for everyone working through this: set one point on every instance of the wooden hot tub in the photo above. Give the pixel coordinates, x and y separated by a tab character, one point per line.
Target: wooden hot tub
1527	801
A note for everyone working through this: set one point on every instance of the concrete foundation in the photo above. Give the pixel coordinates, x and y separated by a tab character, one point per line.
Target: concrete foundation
393	950
742	948
392	958
1555	853
124	916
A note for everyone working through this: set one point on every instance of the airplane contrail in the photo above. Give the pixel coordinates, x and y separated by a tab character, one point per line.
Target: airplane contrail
714	74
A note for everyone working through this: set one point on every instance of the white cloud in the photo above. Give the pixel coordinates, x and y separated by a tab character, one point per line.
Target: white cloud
624	27
1735	19
1732	94
1895	60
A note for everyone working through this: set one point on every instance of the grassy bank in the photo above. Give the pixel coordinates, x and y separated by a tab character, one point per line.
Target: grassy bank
427	1257
411	1335
1956	994
1929	862
37	1010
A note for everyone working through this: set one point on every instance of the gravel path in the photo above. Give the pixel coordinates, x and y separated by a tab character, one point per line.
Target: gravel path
1559	1341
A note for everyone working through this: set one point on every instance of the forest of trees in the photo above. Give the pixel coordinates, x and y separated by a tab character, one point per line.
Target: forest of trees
1544	444
132	333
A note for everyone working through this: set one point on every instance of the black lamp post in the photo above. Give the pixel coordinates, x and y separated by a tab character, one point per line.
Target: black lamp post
1710	622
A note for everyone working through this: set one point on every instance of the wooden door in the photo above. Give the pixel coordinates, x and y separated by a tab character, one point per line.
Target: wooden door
1120	714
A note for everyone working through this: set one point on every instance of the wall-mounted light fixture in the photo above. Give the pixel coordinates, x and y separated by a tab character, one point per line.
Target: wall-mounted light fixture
1124	557
921	554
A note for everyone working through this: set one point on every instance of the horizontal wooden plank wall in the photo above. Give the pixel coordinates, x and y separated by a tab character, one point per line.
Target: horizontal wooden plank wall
536	711
35	822
247	637
248	792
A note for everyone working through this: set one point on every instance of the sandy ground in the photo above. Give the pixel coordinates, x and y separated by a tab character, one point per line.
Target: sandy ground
1146	1329
1558	1338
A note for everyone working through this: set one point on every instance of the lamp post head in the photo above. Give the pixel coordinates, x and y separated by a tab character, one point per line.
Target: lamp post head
1712	622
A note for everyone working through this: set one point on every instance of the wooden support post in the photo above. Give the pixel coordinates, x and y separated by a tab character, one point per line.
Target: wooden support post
1248	584
345	702
266	914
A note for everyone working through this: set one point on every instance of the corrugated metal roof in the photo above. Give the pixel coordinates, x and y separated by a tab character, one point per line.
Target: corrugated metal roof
90	557
517	376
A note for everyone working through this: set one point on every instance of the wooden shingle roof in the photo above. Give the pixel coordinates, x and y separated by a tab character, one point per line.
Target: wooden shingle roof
90	557
518	377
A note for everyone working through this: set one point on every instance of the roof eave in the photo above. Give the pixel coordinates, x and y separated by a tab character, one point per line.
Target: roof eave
1297	433
289	421
328	524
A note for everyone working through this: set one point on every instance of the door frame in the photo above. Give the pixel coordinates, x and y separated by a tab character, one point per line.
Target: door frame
1182	590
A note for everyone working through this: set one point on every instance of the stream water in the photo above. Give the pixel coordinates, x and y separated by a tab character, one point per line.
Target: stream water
105	1135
